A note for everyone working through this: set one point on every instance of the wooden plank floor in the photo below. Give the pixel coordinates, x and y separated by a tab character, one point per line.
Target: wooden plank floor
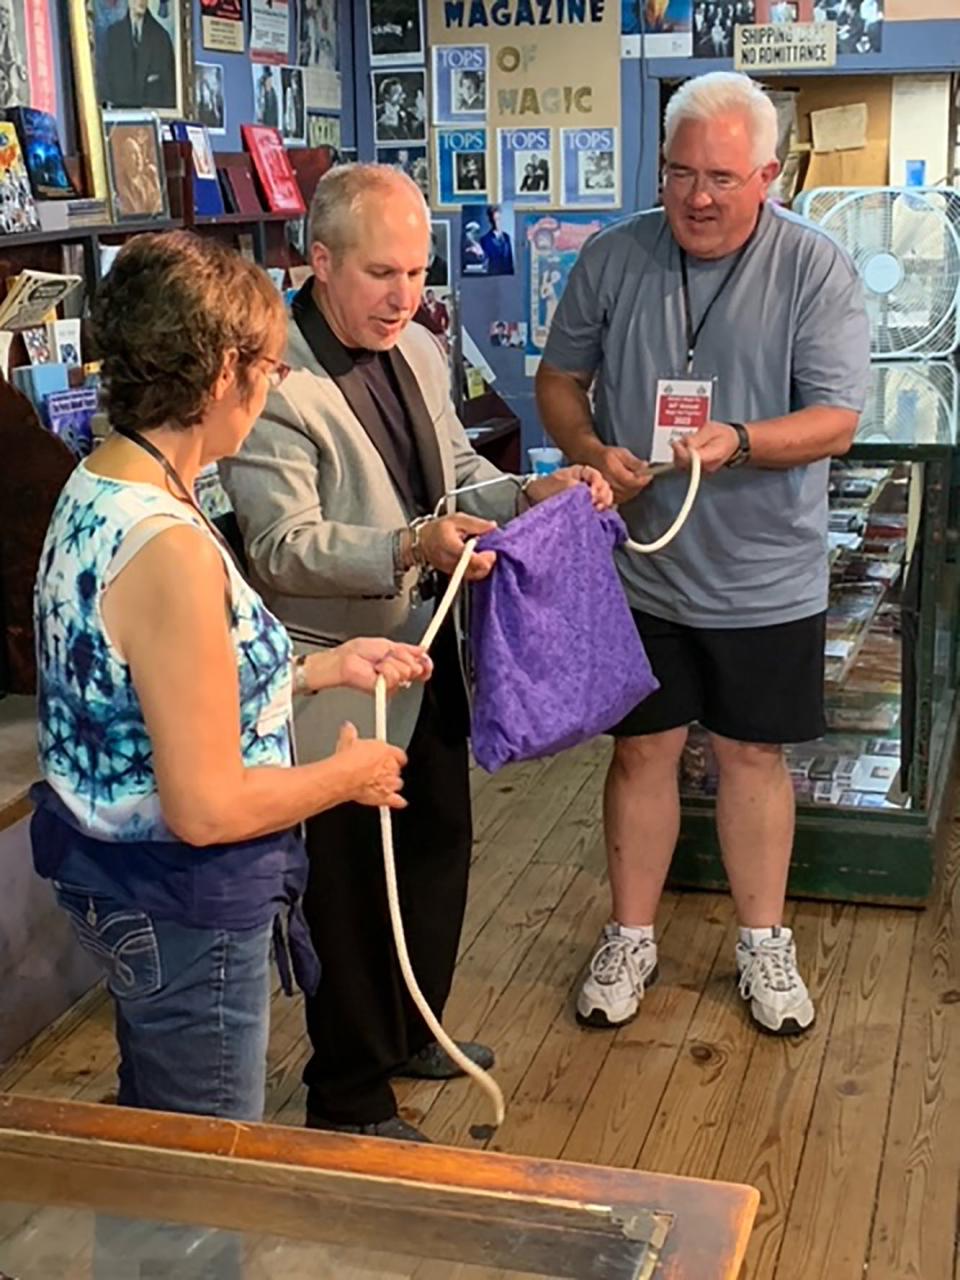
850	1133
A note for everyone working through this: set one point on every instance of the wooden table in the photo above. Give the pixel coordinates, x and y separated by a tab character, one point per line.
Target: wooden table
427	1204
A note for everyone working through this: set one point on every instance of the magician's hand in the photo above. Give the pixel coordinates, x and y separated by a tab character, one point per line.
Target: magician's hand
601	495
442	543
625	473
716	443
362	660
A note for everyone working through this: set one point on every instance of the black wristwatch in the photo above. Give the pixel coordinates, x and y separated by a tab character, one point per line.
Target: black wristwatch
742	452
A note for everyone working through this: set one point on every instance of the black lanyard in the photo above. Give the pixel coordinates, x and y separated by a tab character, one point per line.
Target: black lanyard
690	333
149	447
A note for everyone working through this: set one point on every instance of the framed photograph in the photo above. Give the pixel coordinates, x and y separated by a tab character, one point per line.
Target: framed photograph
396	32
409	160
399	107
208	96
27	63
135	55
138	186
293	126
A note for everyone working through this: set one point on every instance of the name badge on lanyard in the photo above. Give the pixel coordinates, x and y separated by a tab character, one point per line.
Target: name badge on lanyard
682	407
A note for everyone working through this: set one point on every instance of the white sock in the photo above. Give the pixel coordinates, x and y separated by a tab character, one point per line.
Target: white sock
753	937
636	932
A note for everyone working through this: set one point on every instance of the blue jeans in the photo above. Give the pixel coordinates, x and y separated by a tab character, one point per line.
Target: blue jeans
192	1022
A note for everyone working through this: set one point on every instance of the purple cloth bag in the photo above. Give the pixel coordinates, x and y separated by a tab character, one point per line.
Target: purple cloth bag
556	653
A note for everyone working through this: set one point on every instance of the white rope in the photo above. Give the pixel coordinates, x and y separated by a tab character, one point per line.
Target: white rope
483	1078
646	548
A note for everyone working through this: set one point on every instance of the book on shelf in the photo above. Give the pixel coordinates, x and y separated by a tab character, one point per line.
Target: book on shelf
239	178
87	212
42	153
207	197
69	415
277	179
32	296
18	212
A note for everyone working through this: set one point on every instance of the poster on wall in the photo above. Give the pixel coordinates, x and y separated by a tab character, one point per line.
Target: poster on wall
208	96
399	107
486	240
460	82
396	32
541	71
221	25
409	160
323	131
460	159
278	100
270	31
27	68
525	166
553	244
665	32
590	168
318	52
713	25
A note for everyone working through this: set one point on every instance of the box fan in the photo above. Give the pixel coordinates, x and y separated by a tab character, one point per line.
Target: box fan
905	243
910	403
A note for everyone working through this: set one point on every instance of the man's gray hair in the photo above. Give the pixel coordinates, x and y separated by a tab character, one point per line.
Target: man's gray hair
721	93
339	197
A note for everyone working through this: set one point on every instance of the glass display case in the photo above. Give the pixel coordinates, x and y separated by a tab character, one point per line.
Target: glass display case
98	1193
873	794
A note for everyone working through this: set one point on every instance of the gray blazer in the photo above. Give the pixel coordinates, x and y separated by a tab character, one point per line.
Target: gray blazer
317	507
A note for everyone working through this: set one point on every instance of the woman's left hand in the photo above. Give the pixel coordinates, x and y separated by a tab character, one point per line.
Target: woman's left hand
601	495
361	661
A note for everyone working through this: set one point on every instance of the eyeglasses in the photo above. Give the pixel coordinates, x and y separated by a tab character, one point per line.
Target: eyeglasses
276	372
715	184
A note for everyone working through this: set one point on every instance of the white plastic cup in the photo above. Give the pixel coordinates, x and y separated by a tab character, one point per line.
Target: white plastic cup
545	460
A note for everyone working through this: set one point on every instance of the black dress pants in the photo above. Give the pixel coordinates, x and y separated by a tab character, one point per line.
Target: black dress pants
362	1023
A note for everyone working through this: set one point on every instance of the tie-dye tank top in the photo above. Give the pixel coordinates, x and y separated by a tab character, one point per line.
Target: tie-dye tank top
94	748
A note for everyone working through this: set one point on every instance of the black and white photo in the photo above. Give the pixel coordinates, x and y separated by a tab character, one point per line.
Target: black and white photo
317	35
293	121
469	92
399	107
208	96
409	160
267	94
396	32
438	263
859	24
596	171
713	25
469	173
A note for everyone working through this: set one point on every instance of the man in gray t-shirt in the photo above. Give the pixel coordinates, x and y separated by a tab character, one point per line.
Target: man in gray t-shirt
725	291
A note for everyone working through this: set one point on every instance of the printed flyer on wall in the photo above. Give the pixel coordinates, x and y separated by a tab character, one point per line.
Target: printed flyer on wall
553	243
461	166
460	83
270	31
525	166
590	168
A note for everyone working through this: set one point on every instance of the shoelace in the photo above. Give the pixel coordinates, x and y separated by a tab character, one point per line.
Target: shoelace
774	963
613	957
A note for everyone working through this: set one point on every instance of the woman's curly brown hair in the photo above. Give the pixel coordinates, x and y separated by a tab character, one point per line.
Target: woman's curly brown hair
164	318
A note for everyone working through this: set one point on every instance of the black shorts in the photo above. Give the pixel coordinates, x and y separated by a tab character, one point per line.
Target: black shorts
751	684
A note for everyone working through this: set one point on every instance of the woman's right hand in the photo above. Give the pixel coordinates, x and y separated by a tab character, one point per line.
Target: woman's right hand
372	769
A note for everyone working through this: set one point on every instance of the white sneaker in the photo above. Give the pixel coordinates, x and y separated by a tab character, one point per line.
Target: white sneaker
621	969
769	981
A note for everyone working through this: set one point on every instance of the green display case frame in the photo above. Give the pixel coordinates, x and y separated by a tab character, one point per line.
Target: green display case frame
884	855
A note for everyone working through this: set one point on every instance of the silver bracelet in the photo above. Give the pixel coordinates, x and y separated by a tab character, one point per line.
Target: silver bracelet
300	675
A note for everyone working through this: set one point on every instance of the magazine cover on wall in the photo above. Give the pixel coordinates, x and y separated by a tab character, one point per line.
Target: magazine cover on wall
399	106
525	166
135	54
270	31
590	167
138	187
461	166
486	240
667	28
396	32
27	66
208	96
410	160
460	83
713	24
553	243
